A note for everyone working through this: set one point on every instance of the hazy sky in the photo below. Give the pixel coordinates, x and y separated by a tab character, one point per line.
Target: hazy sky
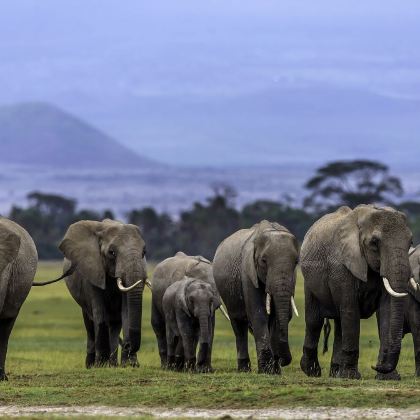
101	58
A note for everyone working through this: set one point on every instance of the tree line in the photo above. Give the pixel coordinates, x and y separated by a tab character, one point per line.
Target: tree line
200	229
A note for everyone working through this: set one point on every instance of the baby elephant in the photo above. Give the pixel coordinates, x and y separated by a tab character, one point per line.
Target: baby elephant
189	306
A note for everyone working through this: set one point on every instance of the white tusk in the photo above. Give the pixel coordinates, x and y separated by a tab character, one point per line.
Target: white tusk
127	289
268	304
223	310
292	301
414	284
148	284
390	290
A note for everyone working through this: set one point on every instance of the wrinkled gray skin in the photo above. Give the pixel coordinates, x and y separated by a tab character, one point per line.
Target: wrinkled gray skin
18	262
248	265
189	306
411	318
169	271
344	256
104	251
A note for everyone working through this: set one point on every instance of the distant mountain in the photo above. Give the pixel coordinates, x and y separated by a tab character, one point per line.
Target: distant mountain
42	134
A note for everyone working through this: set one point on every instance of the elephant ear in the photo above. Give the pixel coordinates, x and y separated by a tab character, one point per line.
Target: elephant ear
181	295
350	250
9	247
249	264
80	245
415	263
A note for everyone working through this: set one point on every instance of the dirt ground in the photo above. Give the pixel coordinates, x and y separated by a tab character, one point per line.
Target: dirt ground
282	413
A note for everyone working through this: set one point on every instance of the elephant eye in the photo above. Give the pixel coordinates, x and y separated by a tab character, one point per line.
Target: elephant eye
374	242
112	253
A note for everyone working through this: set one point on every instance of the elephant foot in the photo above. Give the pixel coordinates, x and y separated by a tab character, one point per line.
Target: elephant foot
163	360
334	368
309	363
349	373
190	365
204	368
170	365
3	376
244	365
267	364
392	376
179	363
90	360
101	360
113	360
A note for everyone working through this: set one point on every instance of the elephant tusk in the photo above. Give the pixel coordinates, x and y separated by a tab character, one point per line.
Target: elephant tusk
224	312
292	301
148	284
268	304
414	284
390	290
127	289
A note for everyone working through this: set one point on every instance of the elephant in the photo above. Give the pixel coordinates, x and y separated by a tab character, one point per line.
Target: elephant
189	306
411	318
166	273
351	259
18	263
106	263
254	270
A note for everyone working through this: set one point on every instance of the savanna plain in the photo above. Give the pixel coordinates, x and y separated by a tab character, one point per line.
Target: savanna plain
46	366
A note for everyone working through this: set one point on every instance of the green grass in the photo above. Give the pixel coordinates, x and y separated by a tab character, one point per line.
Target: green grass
46	367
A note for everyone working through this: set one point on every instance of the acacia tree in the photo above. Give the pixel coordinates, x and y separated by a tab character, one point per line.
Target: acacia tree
351	183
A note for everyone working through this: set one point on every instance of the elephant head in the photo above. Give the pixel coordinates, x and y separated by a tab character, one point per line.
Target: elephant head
199	299
375	241
110	251
271	265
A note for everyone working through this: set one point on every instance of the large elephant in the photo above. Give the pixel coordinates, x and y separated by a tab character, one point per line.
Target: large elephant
350	259
18	262
108	265
411	317
254	270
169	271
189	306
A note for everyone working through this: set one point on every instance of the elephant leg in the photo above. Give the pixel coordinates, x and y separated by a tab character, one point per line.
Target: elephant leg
240	328
6	326
158	324
336	355
265	357
350	327
172	342
179	355
90	342
189	336
114	339
309	361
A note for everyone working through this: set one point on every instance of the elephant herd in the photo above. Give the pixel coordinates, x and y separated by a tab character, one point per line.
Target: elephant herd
355	262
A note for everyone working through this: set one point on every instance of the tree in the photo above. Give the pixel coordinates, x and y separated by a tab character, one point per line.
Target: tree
351	183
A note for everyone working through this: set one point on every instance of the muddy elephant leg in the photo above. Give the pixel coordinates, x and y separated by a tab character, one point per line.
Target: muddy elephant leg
158	324
189	336
336	355
6	326
90	342
240	328
309	362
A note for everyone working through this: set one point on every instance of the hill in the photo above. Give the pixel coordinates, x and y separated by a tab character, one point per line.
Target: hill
40	134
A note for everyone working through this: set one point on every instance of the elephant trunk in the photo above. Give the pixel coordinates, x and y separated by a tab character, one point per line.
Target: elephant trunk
282	302
401	272
134	306
203	320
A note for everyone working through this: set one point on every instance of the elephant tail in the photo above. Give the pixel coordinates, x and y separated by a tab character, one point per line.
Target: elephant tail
327	330
69	272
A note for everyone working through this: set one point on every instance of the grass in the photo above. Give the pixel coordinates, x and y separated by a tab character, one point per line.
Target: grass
46	367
